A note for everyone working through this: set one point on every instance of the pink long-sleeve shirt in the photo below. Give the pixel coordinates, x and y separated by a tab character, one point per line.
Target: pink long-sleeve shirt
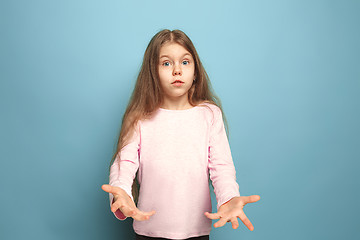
175	152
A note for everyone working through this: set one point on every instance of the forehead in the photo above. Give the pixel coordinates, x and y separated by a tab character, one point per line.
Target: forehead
173	50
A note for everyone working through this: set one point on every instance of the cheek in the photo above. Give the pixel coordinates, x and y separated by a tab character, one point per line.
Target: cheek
164	72
161	74
190	71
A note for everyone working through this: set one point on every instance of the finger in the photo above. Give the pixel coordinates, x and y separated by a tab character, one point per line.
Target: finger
124	208
221	222
142	216
212	215
252	199
119	205
149	213
246	221
234	222
108	188
127	211
115	206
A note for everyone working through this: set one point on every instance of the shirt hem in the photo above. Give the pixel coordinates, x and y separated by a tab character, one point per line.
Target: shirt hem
172	235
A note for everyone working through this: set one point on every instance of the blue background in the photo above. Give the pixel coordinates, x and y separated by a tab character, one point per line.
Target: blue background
288	75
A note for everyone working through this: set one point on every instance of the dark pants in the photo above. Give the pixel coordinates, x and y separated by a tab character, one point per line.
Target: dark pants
141	237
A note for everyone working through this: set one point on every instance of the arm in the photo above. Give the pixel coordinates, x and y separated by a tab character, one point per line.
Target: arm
220	163
124	168
223	176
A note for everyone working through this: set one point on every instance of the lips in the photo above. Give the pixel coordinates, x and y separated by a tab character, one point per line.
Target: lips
177	81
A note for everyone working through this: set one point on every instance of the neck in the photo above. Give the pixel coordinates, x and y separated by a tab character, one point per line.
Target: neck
176	105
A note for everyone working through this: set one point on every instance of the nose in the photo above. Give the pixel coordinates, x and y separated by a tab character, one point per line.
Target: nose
177	70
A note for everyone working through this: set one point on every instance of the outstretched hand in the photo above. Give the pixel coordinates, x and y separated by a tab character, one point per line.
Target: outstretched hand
125	204
233	209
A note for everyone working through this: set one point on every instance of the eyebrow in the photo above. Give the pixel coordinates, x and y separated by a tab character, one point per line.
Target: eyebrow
162	56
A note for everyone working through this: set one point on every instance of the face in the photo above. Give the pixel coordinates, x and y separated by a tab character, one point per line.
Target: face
176	64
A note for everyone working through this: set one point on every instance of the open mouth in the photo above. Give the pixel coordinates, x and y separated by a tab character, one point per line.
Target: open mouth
177	81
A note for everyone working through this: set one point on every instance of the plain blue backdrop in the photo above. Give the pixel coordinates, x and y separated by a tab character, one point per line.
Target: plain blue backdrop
288	75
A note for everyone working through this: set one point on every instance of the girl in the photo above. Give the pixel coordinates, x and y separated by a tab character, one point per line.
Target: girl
172	140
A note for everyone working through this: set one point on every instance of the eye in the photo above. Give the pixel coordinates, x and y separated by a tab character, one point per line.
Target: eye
185	62
166	64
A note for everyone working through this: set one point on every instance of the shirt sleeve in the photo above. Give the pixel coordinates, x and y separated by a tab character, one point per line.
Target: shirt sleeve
220	163
124	168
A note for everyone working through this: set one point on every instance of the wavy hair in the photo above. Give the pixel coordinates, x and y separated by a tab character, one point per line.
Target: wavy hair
147	95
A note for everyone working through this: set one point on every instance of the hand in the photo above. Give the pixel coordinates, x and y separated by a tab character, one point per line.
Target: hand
233	209
125	204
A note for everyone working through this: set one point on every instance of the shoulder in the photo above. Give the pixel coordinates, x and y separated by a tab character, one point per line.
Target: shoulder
212	111
210	105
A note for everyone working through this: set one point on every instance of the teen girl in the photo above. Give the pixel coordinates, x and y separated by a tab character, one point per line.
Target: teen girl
172	143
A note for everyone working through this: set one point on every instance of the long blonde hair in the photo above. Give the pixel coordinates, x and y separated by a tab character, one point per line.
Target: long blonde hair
147	95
